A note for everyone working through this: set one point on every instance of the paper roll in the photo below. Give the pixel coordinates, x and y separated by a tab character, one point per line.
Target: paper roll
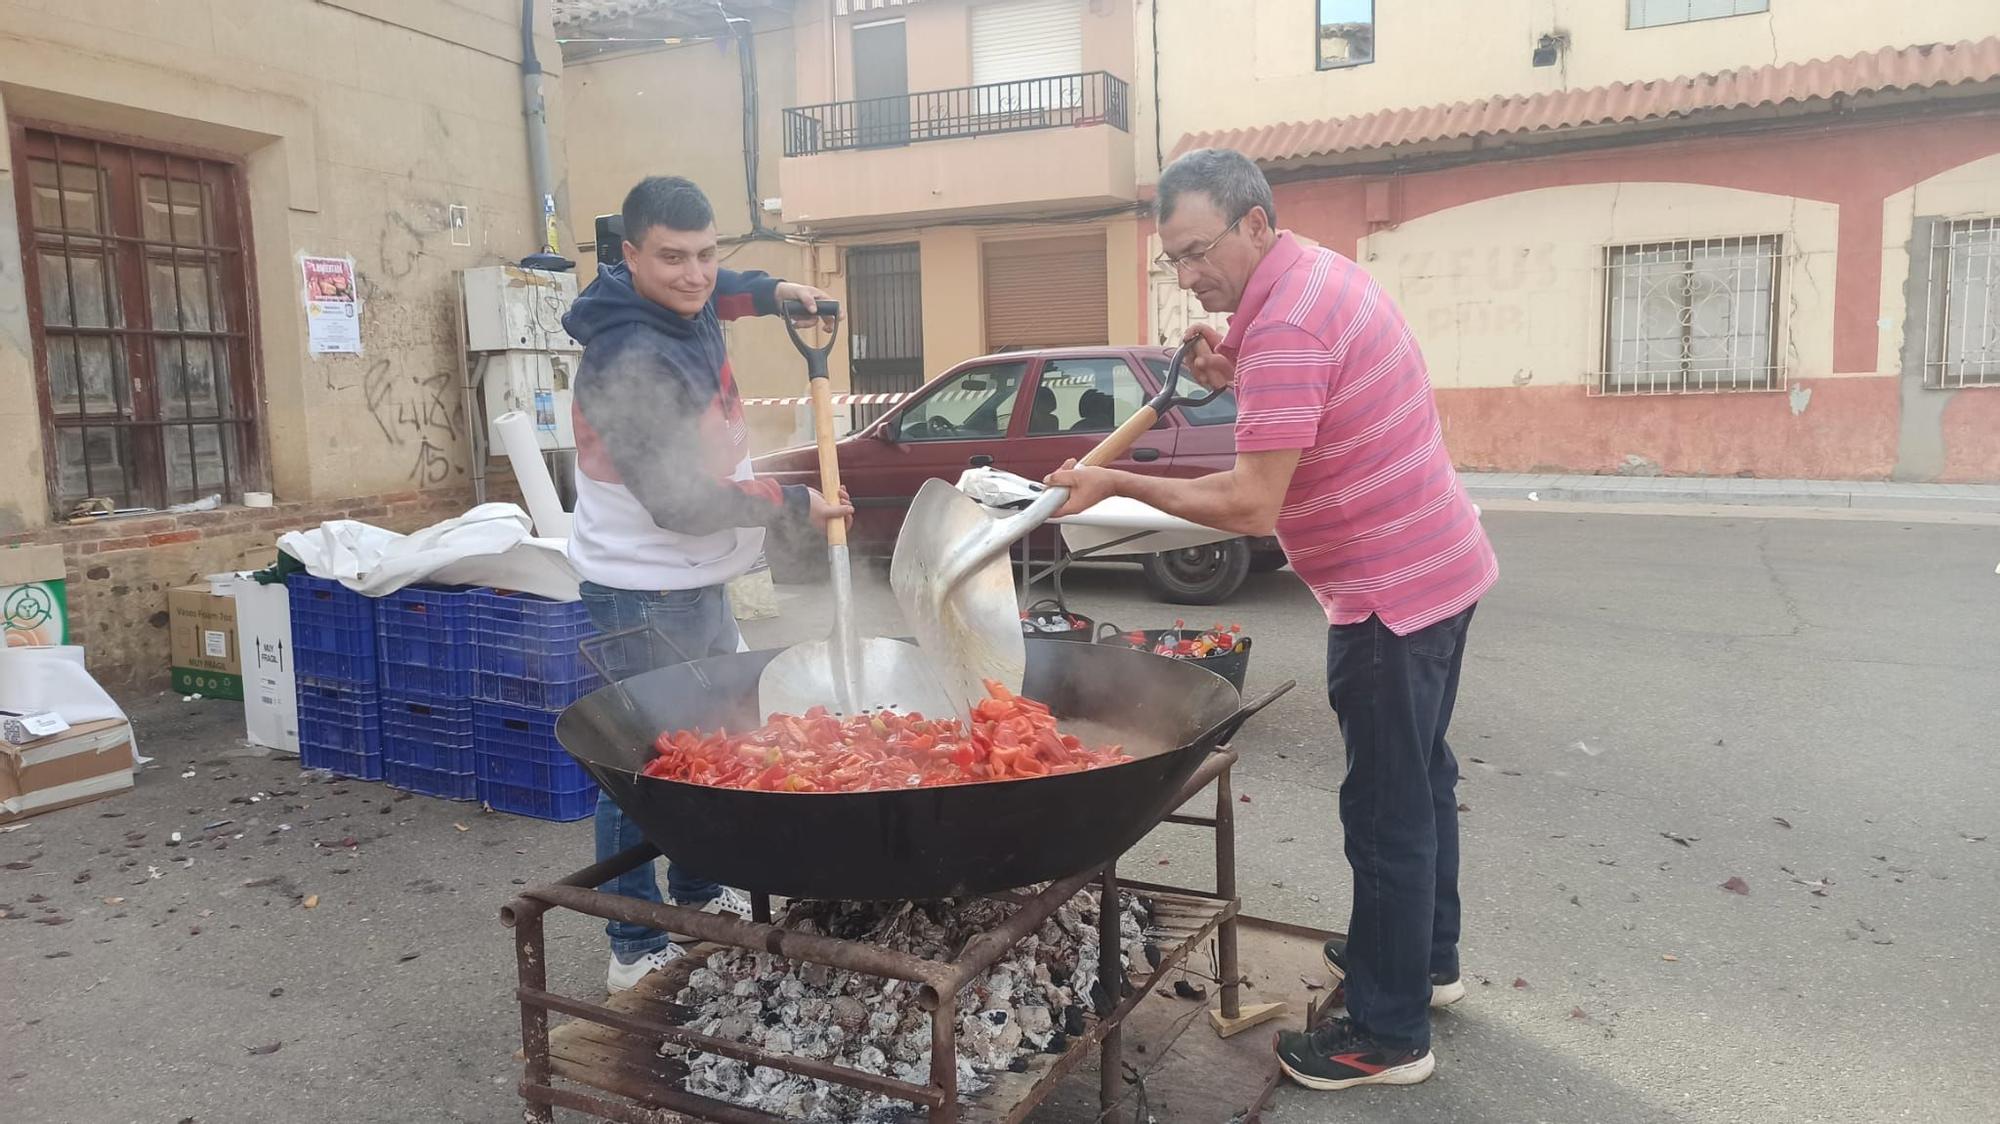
514	431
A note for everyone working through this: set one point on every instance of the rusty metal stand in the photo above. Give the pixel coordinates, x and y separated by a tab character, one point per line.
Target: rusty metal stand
616	1049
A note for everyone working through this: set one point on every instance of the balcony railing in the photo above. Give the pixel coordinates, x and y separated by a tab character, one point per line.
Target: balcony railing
1061	102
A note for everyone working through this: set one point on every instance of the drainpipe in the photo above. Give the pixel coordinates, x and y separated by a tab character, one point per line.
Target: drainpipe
535	108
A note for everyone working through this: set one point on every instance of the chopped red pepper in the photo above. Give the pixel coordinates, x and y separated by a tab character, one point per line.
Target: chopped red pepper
1011	737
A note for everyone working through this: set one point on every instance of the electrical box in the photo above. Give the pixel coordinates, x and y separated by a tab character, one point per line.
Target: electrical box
508	308
536	383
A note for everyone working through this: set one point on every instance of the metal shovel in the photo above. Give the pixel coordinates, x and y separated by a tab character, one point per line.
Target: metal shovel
845	673
954	578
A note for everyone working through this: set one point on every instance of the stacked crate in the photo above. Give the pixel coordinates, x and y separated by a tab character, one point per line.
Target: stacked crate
334	652
528	670
425	654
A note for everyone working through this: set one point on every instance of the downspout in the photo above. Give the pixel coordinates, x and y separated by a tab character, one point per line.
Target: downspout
541	172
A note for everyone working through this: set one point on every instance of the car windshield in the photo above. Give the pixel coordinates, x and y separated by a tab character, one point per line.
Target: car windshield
973	403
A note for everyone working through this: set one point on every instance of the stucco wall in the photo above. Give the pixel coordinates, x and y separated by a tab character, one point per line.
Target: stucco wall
632	121
1236	63
1495	266
358	124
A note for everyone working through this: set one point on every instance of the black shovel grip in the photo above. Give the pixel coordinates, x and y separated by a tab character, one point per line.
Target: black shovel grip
1169	395
816	355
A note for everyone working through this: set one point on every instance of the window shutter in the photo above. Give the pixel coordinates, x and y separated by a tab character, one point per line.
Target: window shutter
1015	42
1046	292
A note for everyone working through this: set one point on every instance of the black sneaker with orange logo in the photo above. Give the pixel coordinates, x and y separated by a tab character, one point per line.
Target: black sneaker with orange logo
1337	1054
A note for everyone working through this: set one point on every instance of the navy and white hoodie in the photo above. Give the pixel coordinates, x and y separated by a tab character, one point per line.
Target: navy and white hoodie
664	495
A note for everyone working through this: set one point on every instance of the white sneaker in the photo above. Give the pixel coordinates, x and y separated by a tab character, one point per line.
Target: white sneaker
730	900
625	977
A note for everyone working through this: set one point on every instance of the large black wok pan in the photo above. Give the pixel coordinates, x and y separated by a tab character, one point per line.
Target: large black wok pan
915	843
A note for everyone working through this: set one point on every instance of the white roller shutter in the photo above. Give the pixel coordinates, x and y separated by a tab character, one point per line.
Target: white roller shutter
1024	39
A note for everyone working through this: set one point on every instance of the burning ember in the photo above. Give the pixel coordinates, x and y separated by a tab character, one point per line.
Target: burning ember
1032	1001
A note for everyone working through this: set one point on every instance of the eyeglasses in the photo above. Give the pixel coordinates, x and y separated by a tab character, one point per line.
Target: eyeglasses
1192	258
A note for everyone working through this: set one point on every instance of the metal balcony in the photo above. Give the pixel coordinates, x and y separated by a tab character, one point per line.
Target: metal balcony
1061	102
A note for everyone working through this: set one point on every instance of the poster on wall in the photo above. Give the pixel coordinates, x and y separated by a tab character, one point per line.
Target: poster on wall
333	309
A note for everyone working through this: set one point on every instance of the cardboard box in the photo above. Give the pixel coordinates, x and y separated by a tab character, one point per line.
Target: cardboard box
270	686
34	600
201	630
85	762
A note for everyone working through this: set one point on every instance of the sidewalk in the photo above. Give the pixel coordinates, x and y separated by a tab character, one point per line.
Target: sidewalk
1878	495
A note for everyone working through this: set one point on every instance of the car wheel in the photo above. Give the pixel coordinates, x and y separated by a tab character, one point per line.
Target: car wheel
1200	575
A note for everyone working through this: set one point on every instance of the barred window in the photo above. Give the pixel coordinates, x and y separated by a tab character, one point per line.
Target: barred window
1691	316
140	311
1962	333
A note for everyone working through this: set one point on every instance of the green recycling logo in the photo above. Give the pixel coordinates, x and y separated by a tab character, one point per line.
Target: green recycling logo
28	607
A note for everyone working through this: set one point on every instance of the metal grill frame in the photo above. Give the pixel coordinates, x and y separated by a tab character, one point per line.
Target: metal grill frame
1949	316
938	983
1761	374
1059	101
229	268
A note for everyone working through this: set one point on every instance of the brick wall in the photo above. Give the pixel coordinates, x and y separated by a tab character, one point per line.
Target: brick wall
119	571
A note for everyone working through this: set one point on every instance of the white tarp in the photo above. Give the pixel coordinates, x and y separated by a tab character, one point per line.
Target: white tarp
53	679
1107	522
491	545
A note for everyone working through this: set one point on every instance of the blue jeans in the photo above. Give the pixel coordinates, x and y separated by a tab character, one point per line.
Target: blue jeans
1393	696
687	624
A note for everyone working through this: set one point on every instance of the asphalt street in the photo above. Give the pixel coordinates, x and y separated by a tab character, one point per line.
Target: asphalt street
1653	705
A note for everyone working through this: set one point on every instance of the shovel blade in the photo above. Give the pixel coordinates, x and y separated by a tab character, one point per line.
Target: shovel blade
885	675
969	630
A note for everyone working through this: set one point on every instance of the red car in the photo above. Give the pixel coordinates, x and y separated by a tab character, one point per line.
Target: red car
1027	412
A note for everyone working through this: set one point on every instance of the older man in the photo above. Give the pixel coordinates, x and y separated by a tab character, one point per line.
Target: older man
1338	448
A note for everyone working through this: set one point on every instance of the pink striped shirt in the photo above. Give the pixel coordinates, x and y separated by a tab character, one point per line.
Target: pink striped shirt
1376	520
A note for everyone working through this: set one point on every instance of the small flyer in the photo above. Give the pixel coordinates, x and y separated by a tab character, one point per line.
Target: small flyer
333	309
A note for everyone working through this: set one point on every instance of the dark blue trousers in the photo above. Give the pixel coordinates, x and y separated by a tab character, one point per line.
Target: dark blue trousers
1393	696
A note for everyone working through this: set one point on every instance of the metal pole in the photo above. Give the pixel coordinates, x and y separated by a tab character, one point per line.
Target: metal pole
1111	977
535	108
530	956
1225	888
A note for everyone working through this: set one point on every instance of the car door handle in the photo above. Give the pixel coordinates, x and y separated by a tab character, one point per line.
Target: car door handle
980	460
1145	454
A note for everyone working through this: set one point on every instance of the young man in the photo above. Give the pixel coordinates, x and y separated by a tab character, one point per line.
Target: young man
666	510
1338	448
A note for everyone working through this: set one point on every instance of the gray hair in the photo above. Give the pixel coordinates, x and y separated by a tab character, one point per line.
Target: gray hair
1229	179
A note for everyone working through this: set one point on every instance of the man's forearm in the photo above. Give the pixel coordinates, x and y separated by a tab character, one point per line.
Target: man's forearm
1217	500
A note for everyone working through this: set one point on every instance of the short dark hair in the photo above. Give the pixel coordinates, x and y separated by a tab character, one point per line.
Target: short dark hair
1229	179
670	201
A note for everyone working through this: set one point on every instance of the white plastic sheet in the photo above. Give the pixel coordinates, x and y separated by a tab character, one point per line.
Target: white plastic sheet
1107	522
53	678
491	545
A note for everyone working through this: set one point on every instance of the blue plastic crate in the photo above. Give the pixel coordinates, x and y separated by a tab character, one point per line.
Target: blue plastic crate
424	640
428	733
430	782
333	630
340	728
523	769
524	800
525	650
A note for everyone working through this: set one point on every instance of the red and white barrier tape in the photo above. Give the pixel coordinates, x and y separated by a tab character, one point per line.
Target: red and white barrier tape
837	399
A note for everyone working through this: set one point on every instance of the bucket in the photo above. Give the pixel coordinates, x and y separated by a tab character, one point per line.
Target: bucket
1232	664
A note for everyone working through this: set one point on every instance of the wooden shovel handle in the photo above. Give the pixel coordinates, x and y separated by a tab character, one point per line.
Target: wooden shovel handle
829	457
1120	441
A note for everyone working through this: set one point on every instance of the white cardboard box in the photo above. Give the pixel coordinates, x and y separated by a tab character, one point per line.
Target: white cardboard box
270	685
